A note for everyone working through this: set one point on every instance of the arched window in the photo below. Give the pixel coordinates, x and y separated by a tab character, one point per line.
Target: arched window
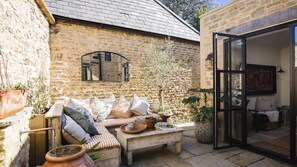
104	66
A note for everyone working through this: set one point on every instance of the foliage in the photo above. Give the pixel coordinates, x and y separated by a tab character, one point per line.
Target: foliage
160	69
39	94
165	110
196	20
201	111
187	9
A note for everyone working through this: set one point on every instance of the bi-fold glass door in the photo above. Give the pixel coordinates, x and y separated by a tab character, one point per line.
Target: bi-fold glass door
229	87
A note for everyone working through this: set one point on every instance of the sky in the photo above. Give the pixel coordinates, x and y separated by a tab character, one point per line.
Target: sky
222	2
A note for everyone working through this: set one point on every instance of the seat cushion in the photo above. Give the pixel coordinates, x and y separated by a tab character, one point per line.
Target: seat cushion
106	139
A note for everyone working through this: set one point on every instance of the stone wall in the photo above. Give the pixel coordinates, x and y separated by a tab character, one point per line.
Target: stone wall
14	146
24	40
239	12
71	39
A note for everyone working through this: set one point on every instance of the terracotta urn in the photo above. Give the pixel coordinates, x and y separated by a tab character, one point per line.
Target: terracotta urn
150	122
69	155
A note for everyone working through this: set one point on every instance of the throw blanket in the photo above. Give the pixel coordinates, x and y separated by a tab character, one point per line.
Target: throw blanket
272	115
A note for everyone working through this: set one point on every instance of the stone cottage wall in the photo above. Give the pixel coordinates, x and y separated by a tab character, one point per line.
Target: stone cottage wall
71	39
24	37
238	12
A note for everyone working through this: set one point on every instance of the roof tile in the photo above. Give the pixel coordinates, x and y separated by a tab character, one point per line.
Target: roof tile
144	15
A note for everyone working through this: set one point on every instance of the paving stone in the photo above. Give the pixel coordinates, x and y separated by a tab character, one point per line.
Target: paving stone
175	160
183	155
209	160
197	148
245	158
268	162
226	153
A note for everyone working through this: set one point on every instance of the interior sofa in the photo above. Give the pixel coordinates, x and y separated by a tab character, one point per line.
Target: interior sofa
109	148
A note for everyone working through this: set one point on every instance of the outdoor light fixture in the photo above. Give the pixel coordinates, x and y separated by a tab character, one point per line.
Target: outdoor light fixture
280	69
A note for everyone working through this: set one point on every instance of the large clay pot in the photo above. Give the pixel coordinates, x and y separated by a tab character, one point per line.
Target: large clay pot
204	132
69	155
150	122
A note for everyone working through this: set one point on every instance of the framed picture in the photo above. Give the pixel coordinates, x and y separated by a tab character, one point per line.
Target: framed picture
260	79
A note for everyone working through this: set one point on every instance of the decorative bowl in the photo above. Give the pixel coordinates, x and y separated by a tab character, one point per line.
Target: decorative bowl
137	128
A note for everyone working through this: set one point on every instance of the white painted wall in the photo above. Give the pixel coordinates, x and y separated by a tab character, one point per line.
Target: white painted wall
267	55
285	77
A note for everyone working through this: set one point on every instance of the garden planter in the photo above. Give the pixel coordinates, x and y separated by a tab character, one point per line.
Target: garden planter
150	122
38	140
164	117
11	102
204	132
69	155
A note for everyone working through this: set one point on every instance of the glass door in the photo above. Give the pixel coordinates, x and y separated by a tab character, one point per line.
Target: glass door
229	87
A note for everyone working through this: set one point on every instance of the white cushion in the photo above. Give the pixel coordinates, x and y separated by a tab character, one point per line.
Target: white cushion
102	108
72	132
252	103
264	105
139	106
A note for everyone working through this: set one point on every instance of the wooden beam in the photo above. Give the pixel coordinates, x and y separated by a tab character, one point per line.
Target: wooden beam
42	6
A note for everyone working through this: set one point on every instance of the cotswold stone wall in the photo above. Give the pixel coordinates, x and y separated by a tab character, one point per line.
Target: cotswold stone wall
250	15
70	40
24	40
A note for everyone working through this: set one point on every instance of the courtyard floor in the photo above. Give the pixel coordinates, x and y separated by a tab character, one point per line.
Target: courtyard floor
199	155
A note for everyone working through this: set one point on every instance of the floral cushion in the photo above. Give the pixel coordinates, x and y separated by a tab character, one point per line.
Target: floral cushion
102	108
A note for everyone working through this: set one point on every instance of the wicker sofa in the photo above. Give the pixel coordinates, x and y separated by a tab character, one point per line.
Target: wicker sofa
109	148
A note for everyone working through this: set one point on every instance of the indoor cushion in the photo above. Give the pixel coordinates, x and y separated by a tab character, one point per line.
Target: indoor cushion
252	103
264	105
72	132
81	120
122	108
138	106
101	108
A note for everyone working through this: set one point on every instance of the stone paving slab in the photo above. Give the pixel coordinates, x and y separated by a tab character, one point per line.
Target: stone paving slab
194	154
245	158
210	160
268	163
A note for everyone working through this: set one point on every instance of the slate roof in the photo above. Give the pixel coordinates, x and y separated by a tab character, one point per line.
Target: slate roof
144	15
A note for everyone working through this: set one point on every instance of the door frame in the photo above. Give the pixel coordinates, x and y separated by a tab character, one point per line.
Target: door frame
216	100
293	94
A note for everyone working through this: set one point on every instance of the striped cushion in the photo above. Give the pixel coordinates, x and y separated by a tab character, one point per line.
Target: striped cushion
106	139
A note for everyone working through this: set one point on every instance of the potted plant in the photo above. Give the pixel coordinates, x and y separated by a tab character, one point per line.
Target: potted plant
165	113
202	111
12	98
161	72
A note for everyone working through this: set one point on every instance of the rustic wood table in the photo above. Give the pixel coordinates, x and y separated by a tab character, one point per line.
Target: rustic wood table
146	139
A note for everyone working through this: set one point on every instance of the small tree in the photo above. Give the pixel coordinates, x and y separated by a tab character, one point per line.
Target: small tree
161	70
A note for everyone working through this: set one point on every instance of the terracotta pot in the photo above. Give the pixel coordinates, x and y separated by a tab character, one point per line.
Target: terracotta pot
204	132
69	155
150	122
11	102
164	117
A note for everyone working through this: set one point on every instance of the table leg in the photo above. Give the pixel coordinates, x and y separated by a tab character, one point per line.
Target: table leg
129	157
178	147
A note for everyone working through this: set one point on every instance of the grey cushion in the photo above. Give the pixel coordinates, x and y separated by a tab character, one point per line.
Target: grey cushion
81	120
72	132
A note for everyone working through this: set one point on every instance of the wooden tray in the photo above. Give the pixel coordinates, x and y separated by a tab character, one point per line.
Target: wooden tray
138	128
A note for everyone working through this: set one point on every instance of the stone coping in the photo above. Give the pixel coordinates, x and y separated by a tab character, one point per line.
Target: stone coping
42	6
24	114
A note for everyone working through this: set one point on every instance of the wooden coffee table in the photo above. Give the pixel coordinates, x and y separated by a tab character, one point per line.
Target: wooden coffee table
146	139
